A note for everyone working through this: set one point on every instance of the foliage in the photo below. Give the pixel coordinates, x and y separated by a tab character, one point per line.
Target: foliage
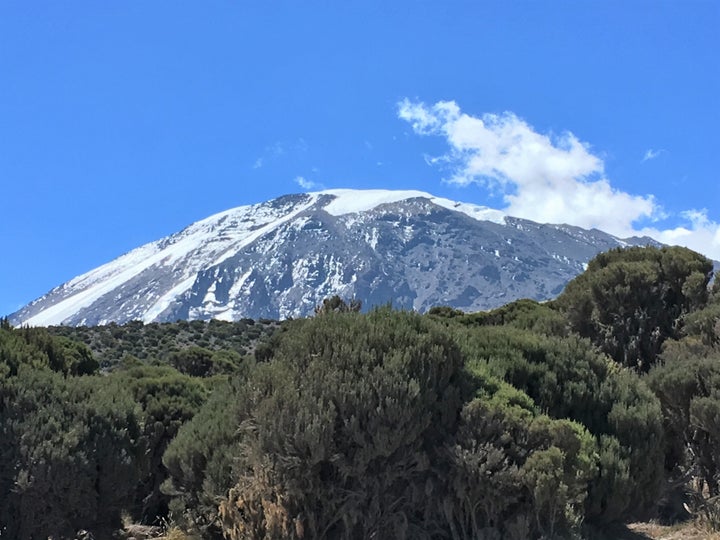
516	474
199	460
501	424
688	385
567	379
167	400
76	452
38	348
201	362
344	425
445	311
335	304
705	324
69	448
524	314
362	425
159	342
629	301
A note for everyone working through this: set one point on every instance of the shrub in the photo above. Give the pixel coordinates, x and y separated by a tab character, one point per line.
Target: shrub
566	378
167	400
688	385
629	301
69	448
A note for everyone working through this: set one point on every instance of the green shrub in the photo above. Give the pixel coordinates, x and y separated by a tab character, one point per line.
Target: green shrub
70	449
516	474
629	301
199	460
345	423
369	425
688	386
167	400
566	378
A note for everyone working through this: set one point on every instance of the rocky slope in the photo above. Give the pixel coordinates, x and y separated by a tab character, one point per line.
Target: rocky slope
280	258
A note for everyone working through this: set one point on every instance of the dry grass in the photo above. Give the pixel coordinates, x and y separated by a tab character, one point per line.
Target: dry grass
633	531
680	531
173	533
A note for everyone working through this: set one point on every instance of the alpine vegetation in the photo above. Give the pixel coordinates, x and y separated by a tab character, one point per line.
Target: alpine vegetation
529	421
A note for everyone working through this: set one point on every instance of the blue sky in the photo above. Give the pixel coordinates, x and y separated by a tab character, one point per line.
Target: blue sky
122	122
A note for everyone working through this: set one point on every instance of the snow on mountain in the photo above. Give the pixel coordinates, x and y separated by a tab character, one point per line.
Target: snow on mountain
280	258
352	201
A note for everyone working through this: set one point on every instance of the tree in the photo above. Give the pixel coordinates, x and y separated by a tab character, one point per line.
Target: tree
688	385
70	447
167	400
335	304
629	301
348	418
567	379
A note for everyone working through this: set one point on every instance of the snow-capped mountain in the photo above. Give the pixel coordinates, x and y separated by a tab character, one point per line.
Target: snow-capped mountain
280	258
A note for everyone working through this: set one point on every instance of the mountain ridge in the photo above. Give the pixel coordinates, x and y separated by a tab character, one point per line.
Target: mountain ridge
280	258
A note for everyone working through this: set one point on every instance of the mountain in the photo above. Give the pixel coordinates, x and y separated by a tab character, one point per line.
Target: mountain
280	258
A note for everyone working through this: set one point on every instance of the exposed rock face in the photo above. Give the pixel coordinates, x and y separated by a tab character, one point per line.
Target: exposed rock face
280	258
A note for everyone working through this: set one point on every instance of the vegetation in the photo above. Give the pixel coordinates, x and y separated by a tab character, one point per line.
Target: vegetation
157	342
629	301
78	449
530	421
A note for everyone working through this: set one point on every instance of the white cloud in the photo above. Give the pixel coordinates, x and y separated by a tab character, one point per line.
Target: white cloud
651	154
306	184
544	177
700	233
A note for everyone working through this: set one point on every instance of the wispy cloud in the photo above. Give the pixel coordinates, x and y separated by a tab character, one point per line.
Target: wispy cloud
307	184
544	177
651	154
280	149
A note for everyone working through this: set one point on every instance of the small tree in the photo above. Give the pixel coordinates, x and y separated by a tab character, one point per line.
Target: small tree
335	304
629	301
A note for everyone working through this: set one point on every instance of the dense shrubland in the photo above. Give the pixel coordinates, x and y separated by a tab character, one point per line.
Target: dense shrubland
529	421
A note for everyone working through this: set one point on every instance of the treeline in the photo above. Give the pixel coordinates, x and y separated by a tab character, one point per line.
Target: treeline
530	421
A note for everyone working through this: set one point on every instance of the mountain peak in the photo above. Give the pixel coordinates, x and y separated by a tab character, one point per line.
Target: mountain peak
280	258
351	201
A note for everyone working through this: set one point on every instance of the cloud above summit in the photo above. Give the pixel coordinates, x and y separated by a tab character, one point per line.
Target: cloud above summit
548	178
307	184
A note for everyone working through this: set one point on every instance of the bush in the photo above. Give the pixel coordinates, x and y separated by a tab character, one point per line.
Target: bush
345	423
516	474
688	385
629	301
38	348
69	453
167	400
567	379
199	460
524	314
361	425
